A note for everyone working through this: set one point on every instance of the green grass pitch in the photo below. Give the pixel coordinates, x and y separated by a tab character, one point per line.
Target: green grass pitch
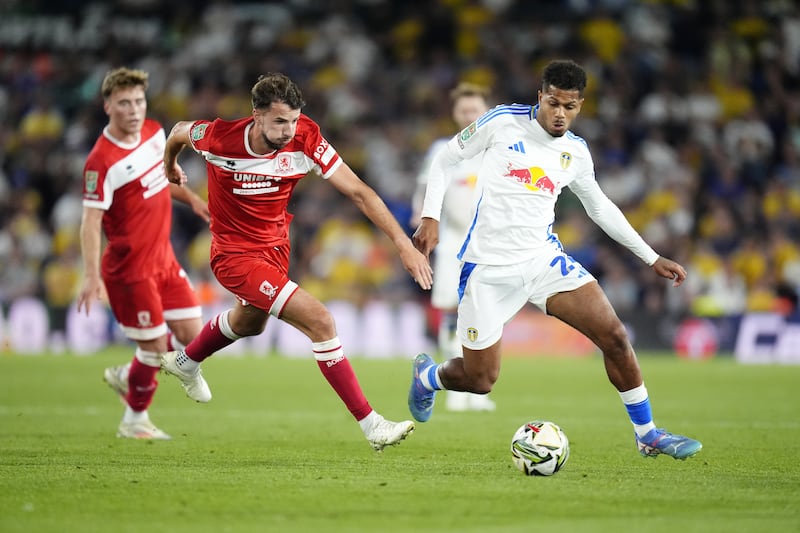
275	450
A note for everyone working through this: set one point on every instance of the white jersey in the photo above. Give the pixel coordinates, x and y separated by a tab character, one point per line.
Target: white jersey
522	172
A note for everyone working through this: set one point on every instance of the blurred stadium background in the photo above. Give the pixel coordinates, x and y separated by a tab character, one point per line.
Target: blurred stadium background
692	114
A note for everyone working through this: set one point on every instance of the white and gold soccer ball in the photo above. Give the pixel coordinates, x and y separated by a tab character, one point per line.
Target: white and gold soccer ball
539	448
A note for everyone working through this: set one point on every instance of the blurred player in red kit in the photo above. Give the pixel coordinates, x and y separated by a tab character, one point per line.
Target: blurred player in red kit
253	165
127	197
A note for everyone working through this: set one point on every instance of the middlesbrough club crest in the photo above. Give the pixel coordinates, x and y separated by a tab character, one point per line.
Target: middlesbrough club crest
144	319
284	163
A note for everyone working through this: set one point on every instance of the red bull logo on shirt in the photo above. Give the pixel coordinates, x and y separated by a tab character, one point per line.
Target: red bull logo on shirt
534	178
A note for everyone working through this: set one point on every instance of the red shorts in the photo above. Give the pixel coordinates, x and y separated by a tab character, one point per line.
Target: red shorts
260	279
142	307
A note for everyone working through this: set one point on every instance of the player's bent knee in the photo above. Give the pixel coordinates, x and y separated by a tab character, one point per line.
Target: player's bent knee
247	327
322	324
237	323
248	330
615	340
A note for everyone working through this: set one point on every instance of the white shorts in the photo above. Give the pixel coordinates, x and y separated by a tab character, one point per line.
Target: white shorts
493	294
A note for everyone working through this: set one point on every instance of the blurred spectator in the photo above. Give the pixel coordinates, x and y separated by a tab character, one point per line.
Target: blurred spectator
61	277
749	143
724	293
18	274
350	261
43	124
750	260
785	254
621	289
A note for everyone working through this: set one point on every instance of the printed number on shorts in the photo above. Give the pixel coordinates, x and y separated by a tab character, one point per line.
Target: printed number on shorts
567	265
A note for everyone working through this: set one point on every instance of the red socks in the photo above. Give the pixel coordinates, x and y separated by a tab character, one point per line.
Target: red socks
337	370
211	338
141	385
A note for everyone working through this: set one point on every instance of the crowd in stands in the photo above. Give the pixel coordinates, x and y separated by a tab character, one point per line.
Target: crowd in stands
692	113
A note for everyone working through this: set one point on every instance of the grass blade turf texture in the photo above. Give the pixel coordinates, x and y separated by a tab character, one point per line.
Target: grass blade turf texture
276	451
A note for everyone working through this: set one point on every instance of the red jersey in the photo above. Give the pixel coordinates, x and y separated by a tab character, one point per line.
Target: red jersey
128	182
247	192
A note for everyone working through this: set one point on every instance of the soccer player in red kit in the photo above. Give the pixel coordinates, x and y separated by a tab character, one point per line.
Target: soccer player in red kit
253	165
126	195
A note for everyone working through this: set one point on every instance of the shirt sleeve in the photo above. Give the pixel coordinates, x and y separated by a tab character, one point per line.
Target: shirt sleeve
97	192
422	177
200	134
438	181
468	143
610	218
324	156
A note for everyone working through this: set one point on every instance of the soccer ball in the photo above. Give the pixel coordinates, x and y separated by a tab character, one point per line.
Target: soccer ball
539	448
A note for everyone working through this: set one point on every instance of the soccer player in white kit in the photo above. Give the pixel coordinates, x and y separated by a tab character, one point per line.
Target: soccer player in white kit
511	256
469	103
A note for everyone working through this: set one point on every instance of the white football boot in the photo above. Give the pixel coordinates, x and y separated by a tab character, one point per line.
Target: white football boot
144	430
384	432
117	378
194	384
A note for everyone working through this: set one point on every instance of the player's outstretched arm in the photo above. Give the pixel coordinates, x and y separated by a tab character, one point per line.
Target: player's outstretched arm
438	177
177	139
91	242
610	218
368	201
667	268
426	236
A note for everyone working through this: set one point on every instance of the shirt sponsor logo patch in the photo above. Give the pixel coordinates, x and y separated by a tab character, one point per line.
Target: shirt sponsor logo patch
90	180
533	178
199	131
469	131
324	152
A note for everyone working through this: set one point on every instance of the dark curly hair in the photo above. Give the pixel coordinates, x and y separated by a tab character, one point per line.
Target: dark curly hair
276	87
564	74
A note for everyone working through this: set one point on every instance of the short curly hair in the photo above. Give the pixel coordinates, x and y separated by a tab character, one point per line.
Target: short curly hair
564	74
123	78
276	87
